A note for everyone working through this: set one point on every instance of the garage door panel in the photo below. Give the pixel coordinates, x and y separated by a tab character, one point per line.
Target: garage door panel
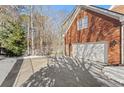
91	51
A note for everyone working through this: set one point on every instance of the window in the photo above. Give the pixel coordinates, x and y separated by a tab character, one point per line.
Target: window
85	22
82	23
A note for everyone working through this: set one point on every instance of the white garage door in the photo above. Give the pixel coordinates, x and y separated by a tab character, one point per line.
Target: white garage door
91	51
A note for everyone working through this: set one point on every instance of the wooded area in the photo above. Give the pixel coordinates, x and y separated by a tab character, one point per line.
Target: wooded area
31	30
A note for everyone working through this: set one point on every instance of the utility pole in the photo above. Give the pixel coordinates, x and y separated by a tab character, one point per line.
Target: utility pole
43	32
41	37
28	38
32	30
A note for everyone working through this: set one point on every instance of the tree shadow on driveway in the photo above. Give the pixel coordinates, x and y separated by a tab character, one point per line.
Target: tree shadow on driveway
64	72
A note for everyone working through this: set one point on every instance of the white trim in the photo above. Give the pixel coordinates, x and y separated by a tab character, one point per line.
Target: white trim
77	11
68	16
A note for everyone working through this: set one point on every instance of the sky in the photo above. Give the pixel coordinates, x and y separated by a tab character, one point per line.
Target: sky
68	8
104	6
65	8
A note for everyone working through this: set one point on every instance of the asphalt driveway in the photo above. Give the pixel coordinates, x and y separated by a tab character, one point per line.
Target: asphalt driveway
6	64
62	72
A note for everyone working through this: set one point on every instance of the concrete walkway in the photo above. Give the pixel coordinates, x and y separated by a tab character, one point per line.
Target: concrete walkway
115	73
29	67
6	65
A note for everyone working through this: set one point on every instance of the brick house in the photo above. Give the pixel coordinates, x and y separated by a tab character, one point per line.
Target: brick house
94	33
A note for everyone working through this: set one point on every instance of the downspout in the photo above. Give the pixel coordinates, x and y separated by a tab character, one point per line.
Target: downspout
122	39
122	44
65	45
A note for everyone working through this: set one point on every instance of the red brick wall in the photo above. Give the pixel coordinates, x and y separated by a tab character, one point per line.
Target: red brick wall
100	28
